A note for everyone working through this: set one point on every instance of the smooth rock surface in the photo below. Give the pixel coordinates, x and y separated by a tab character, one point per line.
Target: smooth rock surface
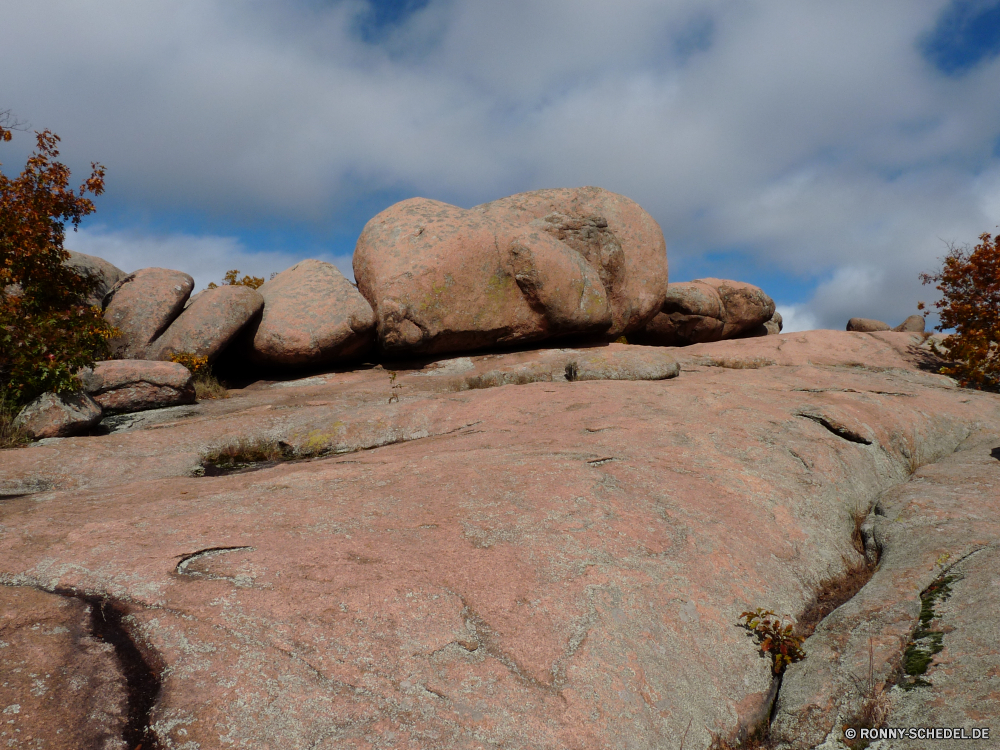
312	315
125	385
142	306
210	323
866	325
59	415
525	268
60	688
547	565
706	310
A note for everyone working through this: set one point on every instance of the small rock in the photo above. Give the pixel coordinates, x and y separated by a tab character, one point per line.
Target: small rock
59	415
142	306
312	315
866	325
127	385
210	323
775	324
913	324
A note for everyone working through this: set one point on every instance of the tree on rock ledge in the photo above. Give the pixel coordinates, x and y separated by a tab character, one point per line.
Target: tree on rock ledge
969	283
47	330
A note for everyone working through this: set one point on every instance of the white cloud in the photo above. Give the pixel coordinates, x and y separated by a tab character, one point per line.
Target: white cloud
206	258
811	135
796	318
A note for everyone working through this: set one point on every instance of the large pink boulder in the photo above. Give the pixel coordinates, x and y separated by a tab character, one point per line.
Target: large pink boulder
524	268
210	323
142	305
620	240
59	415
124	385
312	315
704	310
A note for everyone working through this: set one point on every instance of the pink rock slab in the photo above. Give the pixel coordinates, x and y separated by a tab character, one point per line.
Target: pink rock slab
549	565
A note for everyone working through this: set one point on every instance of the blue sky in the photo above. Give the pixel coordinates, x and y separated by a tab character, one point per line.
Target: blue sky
825	151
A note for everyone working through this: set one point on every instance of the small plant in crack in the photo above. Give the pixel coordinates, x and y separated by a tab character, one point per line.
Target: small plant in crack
394	387
875	703
775	637
244	453
927	641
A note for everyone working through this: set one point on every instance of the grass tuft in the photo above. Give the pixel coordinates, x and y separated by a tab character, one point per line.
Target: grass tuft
208	386
244	453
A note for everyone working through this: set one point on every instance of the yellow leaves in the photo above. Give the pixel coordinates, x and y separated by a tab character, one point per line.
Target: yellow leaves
774	637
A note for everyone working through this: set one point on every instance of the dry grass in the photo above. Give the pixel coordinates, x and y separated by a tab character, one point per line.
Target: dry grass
11	435
244	452
738	363
208	386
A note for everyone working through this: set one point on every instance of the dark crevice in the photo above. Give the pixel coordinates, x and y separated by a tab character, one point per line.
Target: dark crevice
181	568
837	429
142	680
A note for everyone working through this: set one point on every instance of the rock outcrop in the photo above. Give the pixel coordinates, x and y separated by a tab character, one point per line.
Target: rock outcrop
705	310
142	306
525	268
209	324
59	415
556	564
312	315
106	274
126	385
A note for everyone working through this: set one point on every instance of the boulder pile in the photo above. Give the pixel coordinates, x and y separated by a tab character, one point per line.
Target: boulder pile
705	310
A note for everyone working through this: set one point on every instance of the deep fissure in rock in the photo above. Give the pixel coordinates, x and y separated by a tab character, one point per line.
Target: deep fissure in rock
142	681
837	429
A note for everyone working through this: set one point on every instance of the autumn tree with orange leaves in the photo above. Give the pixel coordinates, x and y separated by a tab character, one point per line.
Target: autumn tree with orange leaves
969	282
47	330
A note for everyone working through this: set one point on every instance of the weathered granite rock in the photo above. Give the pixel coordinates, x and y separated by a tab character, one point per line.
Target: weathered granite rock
106	274
619	240
142	306
210	323
547	565
61	686
707	310
312	315
59	415
913	324
124	385
525	268
866	325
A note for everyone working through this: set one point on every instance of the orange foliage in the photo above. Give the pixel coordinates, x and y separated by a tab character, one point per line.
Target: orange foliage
232	279
47	330
969	283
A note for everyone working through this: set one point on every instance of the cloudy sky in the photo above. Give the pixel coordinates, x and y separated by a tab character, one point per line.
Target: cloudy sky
826	151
